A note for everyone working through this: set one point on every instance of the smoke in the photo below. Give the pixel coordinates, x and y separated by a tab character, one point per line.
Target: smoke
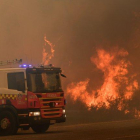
76	27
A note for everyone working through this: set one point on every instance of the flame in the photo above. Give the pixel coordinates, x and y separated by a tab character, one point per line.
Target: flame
46	56
44	79
137	113
117	85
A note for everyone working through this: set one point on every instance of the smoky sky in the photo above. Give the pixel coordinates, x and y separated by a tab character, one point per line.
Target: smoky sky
75	27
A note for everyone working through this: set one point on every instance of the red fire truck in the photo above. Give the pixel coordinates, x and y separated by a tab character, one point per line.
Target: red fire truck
30	97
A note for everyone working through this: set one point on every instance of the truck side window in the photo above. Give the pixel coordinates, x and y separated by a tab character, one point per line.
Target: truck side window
16	81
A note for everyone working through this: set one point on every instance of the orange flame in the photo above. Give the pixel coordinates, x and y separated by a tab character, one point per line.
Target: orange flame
44	79
46	56
137	113
116	86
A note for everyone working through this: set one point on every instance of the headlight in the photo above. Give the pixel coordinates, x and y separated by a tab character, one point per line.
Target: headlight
63	111
34	113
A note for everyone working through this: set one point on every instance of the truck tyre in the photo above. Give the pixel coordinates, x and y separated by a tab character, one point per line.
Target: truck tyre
8	123
40	128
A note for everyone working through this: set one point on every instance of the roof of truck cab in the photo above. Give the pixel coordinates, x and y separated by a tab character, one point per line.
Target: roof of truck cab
5	69
44	69
35	68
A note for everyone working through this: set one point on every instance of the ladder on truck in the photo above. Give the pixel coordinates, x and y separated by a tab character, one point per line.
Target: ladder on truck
15	61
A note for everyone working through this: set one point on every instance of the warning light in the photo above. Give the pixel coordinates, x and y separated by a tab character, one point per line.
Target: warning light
25	66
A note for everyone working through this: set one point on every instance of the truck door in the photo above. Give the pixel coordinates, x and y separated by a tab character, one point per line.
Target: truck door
18	87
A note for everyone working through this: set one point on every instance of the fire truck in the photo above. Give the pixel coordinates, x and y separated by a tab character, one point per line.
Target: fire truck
30	97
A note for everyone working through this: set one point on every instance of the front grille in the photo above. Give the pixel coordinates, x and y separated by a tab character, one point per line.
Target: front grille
51	107
48	110
47	102
51	113
56	99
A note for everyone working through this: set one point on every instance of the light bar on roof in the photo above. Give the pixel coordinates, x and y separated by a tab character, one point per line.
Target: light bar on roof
25	66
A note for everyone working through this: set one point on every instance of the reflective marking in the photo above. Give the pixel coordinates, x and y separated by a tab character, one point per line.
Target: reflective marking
8	96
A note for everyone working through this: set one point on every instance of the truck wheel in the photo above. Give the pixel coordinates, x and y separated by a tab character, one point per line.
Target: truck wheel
40	128
8	124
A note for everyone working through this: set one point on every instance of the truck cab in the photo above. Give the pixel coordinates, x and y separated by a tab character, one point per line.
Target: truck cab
30	97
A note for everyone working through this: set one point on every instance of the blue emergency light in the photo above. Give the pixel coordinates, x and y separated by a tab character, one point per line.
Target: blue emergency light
25	66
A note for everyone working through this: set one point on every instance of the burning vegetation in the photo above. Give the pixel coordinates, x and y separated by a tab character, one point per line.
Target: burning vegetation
119	85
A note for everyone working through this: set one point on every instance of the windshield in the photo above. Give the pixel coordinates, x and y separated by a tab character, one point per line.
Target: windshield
44	82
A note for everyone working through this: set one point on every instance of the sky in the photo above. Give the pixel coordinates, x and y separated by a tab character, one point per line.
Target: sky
76	28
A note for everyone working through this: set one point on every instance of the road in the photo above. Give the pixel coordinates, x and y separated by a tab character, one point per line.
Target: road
116	130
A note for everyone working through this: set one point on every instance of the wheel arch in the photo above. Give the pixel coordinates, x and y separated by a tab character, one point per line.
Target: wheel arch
11	109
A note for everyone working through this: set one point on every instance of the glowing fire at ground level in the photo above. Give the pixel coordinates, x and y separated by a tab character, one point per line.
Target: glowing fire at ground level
119	84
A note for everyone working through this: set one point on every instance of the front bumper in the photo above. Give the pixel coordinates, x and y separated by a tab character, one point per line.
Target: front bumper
34	120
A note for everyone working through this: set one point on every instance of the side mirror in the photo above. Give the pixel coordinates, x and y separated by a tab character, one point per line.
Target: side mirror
63	75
